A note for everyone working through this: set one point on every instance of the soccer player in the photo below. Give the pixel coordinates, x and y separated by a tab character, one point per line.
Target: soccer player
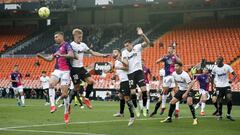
203	80
222	83
182	80
44	79
16	80
169	60
78	72
121	66
133	53
157	105
63	54
147	77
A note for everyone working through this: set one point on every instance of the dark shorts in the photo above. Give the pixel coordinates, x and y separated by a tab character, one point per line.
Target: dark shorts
136	78
124	88
221	92
79	74
180	93
45	91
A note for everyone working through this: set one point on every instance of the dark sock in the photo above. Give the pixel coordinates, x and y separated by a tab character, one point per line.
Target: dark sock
216	106
46	98
220	108
144	97
122	106
134	100
131	108
171	110
229	107
89	89
157	105
71	96
78	98
192	111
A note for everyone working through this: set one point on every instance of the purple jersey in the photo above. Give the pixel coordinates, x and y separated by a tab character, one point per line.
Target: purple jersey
203	80
169	62
16	76
146	73
62	63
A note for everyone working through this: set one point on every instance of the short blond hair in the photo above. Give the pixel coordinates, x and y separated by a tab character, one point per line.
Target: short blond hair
77	31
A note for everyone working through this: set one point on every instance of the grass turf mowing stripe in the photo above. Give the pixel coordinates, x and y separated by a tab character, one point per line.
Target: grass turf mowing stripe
94	122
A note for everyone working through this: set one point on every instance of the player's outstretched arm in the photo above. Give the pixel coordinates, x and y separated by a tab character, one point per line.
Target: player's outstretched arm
46	58
98	54
146	42
159	60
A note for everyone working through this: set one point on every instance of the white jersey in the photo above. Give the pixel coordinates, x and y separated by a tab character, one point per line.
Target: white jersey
45	82
71	86
134	58
221	75
182	80
122	74
78	50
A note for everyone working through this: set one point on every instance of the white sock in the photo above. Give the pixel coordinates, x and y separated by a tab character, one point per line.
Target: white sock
164	99
203	106
141	104
23	100
52	96
177	105
66	104
148	103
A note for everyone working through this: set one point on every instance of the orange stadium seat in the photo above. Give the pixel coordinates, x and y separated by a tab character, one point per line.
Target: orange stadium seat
11	36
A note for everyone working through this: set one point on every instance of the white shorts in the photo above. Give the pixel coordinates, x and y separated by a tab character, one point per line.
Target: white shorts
18	89
63	76
168	81
203	92
148	87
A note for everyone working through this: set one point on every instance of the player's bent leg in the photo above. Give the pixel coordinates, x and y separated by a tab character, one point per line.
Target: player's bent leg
133	97
190	104
131	109
157	106
171	110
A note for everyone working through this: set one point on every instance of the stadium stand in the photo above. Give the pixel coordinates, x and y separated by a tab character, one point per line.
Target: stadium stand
10	36
207	39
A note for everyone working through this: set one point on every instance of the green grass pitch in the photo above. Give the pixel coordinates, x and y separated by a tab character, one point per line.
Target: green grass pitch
35	119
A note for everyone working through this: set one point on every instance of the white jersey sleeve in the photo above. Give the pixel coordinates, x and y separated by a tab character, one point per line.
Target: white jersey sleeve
138	47
162	72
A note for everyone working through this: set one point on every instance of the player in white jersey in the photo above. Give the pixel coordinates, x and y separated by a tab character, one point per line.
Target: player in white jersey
182	80
44	79
222	83
78	72
133	53
121	68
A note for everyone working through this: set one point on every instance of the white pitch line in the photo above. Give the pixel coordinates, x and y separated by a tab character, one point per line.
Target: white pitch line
91	122
52	132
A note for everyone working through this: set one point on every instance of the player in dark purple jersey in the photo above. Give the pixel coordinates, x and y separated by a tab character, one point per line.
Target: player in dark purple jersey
204	80
63	54
16	80
168	81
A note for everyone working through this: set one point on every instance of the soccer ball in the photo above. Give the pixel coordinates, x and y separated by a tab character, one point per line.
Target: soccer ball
44	12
